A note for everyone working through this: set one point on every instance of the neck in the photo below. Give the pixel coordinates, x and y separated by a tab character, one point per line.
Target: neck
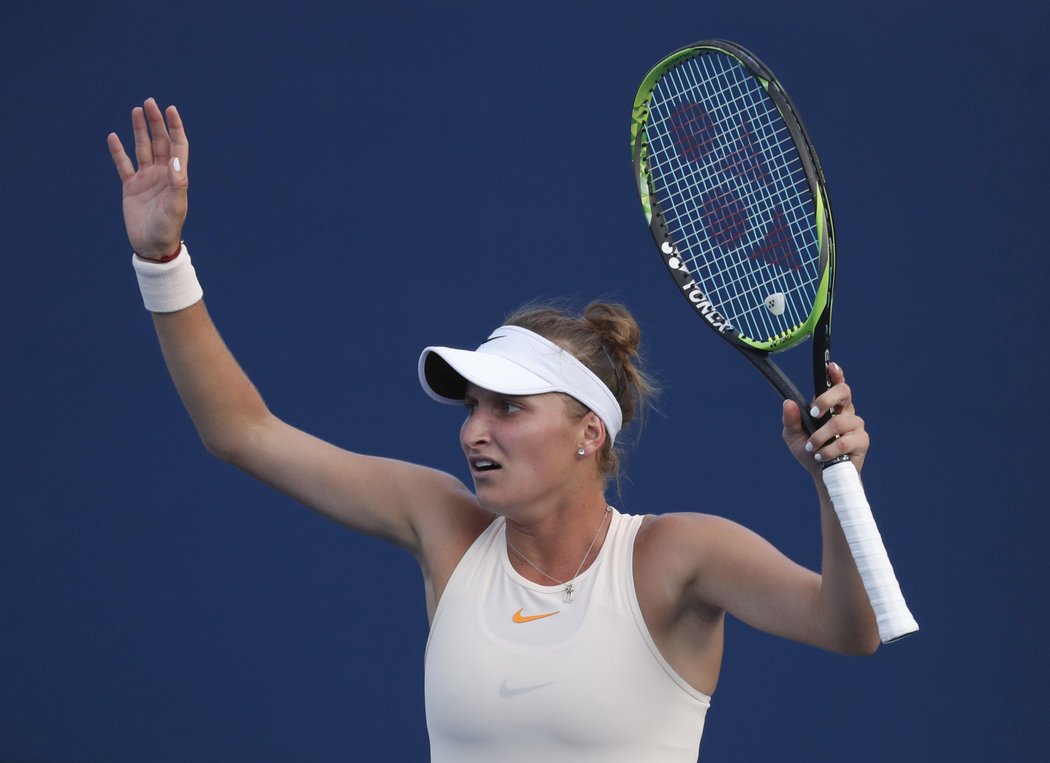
561	544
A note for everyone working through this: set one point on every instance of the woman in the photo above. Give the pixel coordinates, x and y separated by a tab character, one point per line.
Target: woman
559	627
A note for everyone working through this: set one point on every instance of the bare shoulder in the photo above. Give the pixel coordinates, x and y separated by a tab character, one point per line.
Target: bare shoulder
447	512
685	534
672	549
448	520
684	553
707	565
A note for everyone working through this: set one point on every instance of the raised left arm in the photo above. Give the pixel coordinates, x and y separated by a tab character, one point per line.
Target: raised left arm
719	565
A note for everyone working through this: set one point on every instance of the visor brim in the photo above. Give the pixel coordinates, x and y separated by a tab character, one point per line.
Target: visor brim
445	372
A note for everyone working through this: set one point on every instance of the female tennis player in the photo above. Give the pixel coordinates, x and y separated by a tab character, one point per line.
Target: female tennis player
561	629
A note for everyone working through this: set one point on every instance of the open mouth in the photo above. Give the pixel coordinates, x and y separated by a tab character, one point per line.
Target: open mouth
483	465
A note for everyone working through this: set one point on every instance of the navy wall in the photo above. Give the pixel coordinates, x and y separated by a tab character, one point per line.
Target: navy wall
370	178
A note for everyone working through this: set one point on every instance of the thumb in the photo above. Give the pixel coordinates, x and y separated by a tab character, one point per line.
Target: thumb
178	196
177	174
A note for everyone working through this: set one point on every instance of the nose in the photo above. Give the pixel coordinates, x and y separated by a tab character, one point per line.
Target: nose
475	430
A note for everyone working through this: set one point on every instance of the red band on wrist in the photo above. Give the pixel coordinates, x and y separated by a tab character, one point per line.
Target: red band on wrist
162	260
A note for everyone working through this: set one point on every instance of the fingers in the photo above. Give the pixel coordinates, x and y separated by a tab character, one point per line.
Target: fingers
177	132
153	142
843	433
177	175
838	398
143	150
161	143
792	418
125	168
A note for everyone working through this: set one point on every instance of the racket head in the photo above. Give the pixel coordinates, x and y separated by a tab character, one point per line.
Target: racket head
735	198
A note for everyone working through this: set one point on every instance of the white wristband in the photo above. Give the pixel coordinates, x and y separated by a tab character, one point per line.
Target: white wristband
168	287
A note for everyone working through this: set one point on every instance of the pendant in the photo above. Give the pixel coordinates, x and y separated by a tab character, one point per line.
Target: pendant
569	588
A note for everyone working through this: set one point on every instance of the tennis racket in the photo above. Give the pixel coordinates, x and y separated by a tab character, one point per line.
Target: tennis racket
736	200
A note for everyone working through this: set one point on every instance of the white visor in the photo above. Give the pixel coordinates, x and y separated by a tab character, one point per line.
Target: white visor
516	361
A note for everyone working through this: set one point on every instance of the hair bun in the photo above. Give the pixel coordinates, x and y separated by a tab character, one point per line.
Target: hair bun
606	338
618	328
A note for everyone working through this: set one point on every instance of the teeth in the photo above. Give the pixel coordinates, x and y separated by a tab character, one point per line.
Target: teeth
482	465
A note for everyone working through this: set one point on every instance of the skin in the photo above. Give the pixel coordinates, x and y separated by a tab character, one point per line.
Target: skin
690	569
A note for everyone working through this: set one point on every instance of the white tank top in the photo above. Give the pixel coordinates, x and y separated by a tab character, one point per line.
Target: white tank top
513	673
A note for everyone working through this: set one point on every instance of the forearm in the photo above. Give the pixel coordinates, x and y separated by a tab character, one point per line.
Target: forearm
846	613
218	395
224	405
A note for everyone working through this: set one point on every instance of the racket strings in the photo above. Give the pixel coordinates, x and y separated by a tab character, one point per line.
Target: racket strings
734	193
774	236
754	159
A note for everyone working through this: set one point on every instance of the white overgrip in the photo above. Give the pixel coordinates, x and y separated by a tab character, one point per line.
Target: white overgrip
894	619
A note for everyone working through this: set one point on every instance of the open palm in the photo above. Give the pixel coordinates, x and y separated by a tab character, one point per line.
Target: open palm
155	195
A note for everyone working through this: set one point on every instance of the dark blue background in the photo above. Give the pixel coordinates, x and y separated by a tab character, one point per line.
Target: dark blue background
373	178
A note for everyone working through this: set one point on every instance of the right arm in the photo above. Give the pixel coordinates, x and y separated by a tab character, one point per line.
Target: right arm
376	496
425	511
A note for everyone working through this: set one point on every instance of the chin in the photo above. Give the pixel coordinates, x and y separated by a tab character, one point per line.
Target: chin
484	494
489	502
498	502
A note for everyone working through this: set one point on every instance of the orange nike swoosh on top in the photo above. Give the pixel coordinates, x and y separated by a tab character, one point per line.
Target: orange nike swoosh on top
520	618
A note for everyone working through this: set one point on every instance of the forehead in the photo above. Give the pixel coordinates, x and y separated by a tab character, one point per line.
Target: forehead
564	402
475	392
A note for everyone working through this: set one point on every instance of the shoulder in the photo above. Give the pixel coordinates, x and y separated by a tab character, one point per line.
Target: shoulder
670	549
449	520
448	513
683	552
687	532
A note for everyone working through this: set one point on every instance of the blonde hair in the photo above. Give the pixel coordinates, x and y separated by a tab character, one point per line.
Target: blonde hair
606	338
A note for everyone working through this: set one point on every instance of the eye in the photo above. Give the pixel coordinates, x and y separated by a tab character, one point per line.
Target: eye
470	405
509	406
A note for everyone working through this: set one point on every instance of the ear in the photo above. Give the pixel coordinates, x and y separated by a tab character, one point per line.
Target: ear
592	433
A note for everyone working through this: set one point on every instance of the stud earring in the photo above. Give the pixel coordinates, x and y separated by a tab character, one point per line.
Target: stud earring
581	452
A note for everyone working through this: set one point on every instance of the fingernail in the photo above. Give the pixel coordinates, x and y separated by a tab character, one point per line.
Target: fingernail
818	457
809	447
176	164
814	411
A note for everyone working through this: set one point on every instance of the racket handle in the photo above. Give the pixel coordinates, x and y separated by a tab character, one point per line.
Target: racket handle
894	619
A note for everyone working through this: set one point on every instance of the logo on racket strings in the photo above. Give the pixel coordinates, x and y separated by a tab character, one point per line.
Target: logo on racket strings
729	153
692	291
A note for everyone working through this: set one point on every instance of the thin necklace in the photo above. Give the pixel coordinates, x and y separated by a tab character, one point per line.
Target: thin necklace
570	585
